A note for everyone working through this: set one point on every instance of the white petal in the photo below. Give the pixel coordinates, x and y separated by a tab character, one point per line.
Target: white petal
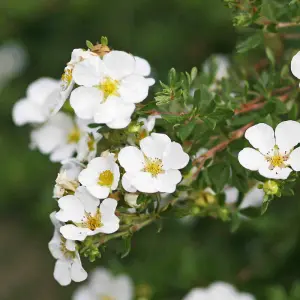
39	90
71	209
144	182
126	182
166	183
89	202
62	272
142	67
276	173
231	195
197	294
88	72
294	159
108	218
78	274
131	159
99	191
261	137
71	245
253	198
82	293
74	233
107	111
150	81
85	101
295	65
118	123
119	64
251	159
123	288
108	206
102	163
25	111
155	145
134	88
63	152
174	157
88	177
287	135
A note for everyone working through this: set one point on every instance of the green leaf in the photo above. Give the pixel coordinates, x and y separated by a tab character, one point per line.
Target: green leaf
89	44
265	204
250	43
271	56
186	130
104	40
203	97
219	175
211	123
175	119
194	73
268	10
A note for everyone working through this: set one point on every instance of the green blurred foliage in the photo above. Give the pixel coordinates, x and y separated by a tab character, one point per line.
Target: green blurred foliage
261	254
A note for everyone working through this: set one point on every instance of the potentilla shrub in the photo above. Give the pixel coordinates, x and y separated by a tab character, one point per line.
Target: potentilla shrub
219	142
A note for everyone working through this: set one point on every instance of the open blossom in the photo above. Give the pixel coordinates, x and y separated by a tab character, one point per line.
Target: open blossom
217	291
101	176
109	87
103	285
154	167
39	104
68	265
275	156
88	217
143	68
61	137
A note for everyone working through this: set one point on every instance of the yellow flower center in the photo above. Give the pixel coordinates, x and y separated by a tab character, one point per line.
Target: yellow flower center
106	297
106	178
66	78
93	222
109	87
277	161
153	166
74	136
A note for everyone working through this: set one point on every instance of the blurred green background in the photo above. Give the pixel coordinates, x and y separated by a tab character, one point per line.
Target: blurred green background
167	33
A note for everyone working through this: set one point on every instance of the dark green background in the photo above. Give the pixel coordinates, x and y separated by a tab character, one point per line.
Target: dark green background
179	33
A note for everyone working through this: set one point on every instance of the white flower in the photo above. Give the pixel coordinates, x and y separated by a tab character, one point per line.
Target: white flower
88	217
275	154
62	137
67	81
108	89
222	64
217	291
154	168
67	178
40	103
295	65
253	198
101	176
104	286
68	265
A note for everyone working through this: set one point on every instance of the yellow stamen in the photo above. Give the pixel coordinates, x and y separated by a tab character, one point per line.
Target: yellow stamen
109	87
277	160
67	78
93	222
106	178
153	166
74	136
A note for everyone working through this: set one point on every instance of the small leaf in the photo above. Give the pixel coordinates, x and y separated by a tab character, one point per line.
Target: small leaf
104	40
219	175
89	44
265	204
250	43
185	131
211	123
194	73
127	246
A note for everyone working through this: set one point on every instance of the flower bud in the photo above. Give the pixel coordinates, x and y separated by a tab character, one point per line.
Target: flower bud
133	127
100	49
206	197
270	187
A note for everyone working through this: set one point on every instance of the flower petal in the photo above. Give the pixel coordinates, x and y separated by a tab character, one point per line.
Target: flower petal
154	146
71	209
89	71
294	159
64	152
119	64
261	137
99	191
287	135
253	198
142	67
144	182
85	101
276	173
62	272
251	159
74	233
107	111
25	111
88	177
131	159
134	88
126	182
78	274
295	65
89	202
174	157
166	182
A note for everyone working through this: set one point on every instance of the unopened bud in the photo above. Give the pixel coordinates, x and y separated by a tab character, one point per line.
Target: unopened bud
270	187
206	197
133	127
